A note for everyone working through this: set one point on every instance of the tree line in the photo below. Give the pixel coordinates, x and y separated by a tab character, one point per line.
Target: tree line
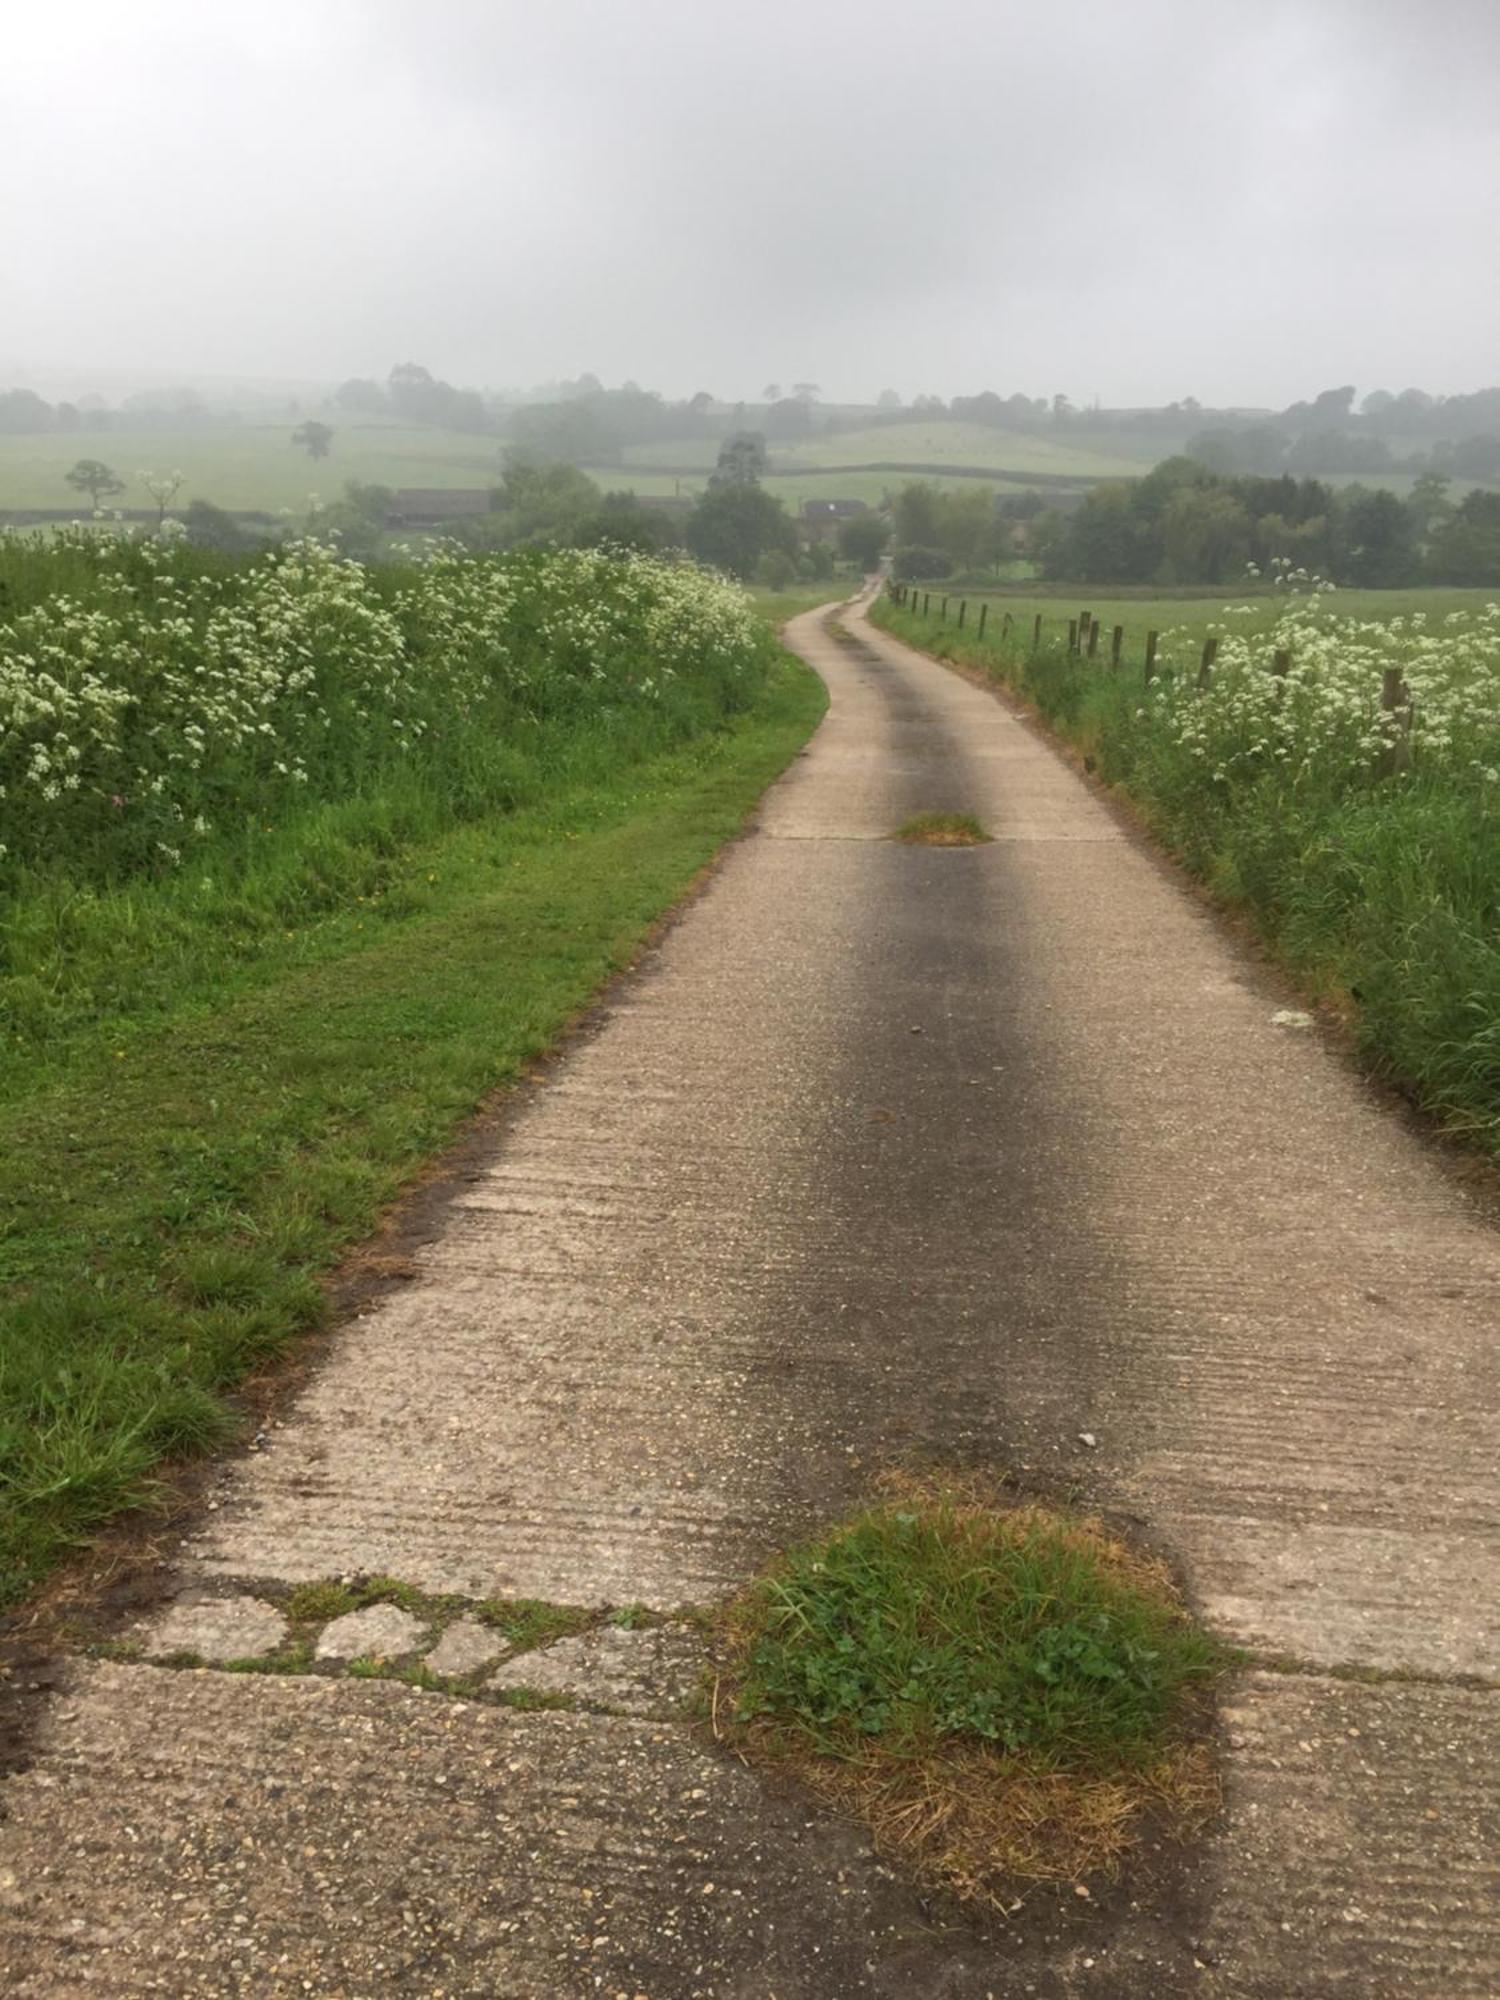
1186	523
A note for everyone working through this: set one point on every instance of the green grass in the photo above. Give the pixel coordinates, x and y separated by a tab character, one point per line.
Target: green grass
941	1660
1382	898
180	1163
246	466
924	1622
977	446
529	1622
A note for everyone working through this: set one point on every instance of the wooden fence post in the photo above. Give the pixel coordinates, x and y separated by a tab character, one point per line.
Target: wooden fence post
943	613
926	602
984	612
1206	664
1036	634
963	606
1072	635
1116	641
1093	637
1151	639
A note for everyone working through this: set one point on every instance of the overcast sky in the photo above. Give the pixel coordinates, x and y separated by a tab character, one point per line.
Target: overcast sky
1243	200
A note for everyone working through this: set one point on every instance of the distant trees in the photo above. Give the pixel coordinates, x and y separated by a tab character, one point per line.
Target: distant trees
1183	524
418	397
965	525
209	527
22	411
862	540
315	439
736	525
94	477
1465	547
742	460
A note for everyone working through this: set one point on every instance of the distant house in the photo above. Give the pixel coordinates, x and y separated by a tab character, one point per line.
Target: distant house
821	518
435	506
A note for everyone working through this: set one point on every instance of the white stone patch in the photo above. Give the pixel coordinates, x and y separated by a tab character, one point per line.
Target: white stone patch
379	1632
215	1628
638	1672
466	1646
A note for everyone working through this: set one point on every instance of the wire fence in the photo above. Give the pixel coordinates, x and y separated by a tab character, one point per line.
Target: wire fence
1085	636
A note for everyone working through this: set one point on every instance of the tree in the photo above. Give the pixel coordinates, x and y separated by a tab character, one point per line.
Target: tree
863	539
163	488
735	525
742	460
887	400
92	476
806	392
1466	548
209	527
315	439
916	515
1381	546
23	410
771	393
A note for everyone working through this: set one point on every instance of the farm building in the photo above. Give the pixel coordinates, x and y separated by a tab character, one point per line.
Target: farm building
821	518
433	506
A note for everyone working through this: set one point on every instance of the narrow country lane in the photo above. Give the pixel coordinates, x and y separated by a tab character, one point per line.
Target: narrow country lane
884	1151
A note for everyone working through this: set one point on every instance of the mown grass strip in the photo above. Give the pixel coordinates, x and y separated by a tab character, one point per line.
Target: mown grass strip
173	1199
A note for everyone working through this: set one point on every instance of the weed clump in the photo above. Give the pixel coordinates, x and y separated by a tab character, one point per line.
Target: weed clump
1001	1692
936	829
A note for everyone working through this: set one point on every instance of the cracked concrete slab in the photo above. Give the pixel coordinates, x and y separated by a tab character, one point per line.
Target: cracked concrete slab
466	1645
378	1632
644	1672
885	1152
215	1628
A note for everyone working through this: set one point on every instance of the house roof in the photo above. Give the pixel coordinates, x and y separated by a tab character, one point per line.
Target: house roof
440	503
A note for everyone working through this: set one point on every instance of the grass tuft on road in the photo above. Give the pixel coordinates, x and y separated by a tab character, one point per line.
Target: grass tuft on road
937	829
177	1179
1003	1693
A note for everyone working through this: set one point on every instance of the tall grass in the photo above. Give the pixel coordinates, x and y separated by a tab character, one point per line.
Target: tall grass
1364	841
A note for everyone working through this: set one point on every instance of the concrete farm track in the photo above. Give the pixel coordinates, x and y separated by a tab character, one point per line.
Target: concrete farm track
885	1151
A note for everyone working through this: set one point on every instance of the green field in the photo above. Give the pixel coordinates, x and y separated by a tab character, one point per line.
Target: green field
245	467
792	488
937	443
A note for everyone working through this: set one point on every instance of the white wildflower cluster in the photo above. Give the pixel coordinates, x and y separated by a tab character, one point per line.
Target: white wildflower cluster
1306	693
156	700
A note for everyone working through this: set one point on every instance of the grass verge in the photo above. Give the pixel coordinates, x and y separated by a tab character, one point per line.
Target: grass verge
1383	900
1002	1693
173	1194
